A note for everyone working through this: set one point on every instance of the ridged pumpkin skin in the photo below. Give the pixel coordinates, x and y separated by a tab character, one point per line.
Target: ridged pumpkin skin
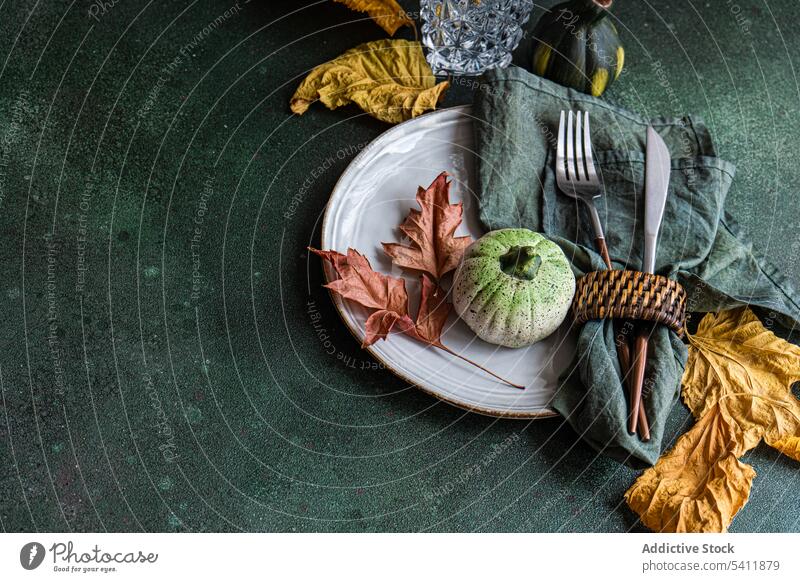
577	46
513	287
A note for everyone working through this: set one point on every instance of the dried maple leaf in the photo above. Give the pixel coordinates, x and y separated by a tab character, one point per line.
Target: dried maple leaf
357	281
387	295
433	311
737	383
699	485
749	370
380	323
434	249
360	283
431	315
387	14
389	79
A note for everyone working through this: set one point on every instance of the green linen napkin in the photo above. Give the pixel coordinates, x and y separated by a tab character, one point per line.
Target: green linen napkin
516	128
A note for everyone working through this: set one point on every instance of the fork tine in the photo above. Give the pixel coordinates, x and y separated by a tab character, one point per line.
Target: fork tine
570	149
562	130
580	169
587	147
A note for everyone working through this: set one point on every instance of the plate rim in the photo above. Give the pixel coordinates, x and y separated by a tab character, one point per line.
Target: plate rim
338	302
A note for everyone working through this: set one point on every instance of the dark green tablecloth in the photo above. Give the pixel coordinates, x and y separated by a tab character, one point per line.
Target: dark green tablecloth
161	373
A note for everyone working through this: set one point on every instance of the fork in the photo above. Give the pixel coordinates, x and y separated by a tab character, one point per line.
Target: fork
576	177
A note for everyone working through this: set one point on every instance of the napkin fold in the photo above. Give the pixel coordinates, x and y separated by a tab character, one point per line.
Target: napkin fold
516	125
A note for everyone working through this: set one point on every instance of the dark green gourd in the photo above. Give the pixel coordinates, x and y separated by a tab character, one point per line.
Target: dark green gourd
577	45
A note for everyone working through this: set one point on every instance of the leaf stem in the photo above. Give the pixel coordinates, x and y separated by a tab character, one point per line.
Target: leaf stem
441	346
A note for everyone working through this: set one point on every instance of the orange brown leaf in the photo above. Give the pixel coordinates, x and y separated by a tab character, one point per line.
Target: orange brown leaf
358	282
387	295
432	314
434	249
380	323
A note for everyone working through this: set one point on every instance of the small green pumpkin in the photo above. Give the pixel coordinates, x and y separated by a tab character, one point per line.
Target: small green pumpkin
513	287
576	45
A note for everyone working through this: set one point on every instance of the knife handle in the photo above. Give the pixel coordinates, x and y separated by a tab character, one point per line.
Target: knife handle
639	363
623	350
624	355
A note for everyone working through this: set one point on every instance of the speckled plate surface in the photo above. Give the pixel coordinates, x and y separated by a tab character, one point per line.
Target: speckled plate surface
370	200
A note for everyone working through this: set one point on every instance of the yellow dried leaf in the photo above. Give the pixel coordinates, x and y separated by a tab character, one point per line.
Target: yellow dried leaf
736	361
699	485
737	383
389	79
387	14
789	446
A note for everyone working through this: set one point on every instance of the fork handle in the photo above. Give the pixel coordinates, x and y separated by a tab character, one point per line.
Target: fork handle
602	248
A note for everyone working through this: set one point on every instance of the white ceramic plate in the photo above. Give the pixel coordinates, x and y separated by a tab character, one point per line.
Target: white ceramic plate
371	199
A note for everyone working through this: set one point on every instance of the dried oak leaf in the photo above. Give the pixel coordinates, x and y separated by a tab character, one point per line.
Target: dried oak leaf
749	370
389	79
737	383
387	14
434	249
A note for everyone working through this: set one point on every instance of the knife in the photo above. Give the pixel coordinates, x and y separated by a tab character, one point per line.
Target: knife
656	186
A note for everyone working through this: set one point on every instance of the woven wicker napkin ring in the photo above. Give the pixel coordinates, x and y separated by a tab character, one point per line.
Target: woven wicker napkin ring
630	295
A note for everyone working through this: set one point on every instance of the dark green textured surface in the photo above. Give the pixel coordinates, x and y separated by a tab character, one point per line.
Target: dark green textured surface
250	423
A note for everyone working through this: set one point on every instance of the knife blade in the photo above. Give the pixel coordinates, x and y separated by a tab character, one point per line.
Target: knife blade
656	187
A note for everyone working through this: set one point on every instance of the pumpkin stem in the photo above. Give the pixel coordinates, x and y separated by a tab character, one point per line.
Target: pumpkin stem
522	262
592	10
477	365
